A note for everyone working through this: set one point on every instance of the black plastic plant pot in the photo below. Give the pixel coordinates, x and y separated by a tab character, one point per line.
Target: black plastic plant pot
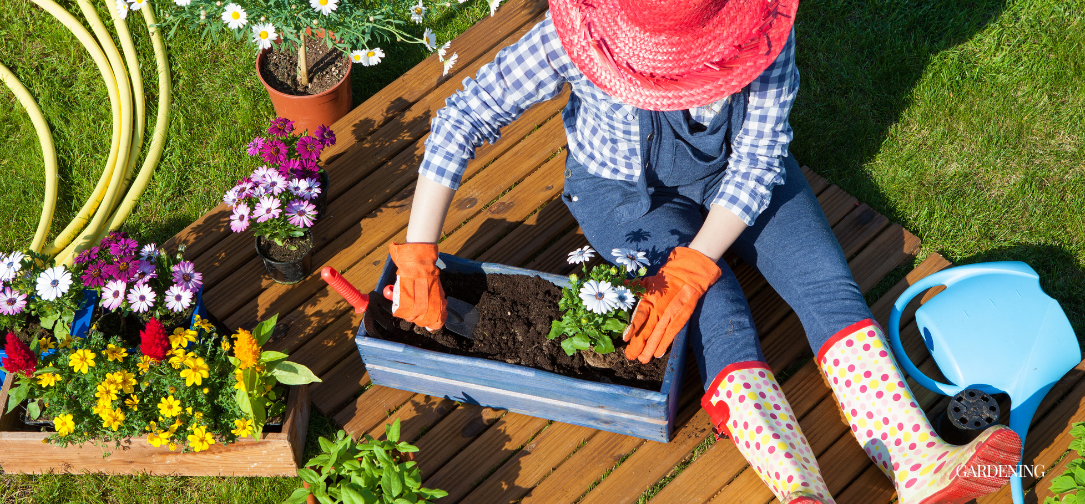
286	272
322	199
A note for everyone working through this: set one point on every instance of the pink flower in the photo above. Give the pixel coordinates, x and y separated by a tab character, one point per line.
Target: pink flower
259	175
123	247
94	275
124	269
309	148
12	301
141	298
185	275
274	184
113	294
281	127
274	152
239	221
301	213
87	255
232	196
266	209
325	135
254	146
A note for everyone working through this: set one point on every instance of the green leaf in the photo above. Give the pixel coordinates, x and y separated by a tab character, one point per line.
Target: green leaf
580	342
1078	430
1078	445
567	345
309	476
391	431
17	396
242	399
33	409
292	373
1063	484
604	345
262	332
556	328
614	325
326	445
271	356
1079	476
350	495
1051	500
298	497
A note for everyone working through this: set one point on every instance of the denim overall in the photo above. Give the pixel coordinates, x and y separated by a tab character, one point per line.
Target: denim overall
790	243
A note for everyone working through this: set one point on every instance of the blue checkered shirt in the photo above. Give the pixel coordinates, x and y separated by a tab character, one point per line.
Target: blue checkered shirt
603	133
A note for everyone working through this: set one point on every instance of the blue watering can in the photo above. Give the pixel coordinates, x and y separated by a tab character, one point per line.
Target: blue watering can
994	330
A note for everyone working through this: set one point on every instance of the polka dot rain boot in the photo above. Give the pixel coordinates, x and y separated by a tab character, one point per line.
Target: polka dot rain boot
745	403
895	433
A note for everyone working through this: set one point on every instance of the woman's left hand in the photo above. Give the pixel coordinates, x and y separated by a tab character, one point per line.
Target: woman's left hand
668	302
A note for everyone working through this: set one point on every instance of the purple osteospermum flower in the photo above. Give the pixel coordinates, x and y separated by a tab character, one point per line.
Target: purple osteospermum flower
94	275
310	188
274	152
113	294
239	221
185	275
309	148
113	237
124	269
88	255
266	209
325	135
301	213
141	298
294	186
149	252
274	184
12	301
123	247
231	196
254	146
290	168
146	272
309	168
281	127
178	298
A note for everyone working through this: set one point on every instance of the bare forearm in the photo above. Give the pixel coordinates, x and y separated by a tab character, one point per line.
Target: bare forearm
718	232
428	210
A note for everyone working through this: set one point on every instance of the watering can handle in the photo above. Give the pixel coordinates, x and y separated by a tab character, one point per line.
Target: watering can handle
356	299
947	278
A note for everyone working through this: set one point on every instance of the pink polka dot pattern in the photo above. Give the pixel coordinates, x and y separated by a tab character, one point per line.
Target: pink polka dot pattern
766	432
884	417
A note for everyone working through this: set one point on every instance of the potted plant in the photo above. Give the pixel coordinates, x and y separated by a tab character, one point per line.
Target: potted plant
513	361
281	201
376	471
303	49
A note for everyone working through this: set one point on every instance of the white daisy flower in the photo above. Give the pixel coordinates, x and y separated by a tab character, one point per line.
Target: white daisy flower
633	260
430	39
417	12
625	299
449	62
178	298
182	3
441	52
113	294
264	35
141	298
324	7
357	56
122	9
598	297
53	283
493	6
581	255
369	57
136	4
234	16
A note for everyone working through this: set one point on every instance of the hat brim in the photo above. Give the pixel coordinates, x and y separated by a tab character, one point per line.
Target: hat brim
673	71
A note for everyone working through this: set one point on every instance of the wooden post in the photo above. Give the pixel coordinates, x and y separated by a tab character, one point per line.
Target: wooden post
303	67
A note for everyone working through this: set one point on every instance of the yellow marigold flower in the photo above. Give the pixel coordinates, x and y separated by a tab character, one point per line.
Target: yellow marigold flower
45	343
112	419
82	360
173	390
195	372
64	424
151	427
244	427
178	357
155	438
188	410
114	381
176	425
197	415
200	439
182	337
128	381
101	407
65	343
48	379
239	376
246	349
144	364
106	393
225	345
173	446
203	323
132	401
115	353
169	406
205	390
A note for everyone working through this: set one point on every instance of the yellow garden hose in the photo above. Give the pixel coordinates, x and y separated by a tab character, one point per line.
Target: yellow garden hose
158	140
136	78
104	68
48	154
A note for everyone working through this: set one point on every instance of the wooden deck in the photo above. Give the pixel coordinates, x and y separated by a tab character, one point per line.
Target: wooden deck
509	211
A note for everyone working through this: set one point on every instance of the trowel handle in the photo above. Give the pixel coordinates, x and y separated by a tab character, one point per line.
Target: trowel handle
356	299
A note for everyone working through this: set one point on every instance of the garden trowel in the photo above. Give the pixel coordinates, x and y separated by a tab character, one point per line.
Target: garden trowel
462	316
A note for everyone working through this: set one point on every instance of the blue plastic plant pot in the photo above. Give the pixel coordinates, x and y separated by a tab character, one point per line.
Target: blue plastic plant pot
615	408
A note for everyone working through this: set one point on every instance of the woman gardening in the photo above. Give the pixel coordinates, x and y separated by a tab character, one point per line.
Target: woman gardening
678	137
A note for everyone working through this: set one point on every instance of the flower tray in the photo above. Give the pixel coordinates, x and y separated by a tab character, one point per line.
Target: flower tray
275	454
615	408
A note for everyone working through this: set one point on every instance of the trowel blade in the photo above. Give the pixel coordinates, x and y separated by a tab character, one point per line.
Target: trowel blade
462	318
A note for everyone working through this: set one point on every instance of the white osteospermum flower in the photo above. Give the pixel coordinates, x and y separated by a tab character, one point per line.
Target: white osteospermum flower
493	6
136	4
122	9
369	57
633	260
53	283
624	299
417	12
599	297
182	3
234	16
430	39
113	294
10	266
324	7
582	254
178	298
141	298
264	35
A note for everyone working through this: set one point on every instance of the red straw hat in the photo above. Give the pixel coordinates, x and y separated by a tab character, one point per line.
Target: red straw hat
672	54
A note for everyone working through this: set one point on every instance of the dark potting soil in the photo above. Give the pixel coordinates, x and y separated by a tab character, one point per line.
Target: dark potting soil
292	249
128	327
326	67
31	331
515	312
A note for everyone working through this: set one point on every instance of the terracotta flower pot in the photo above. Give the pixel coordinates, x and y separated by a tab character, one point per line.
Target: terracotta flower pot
311	111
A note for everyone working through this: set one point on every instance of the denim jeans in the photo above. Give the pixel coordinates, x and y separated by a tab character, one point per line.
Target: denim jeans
790	243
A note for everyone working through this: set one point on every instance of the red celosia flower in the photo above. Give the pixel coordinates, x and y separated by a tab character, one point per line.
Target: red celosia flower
21	358
154	342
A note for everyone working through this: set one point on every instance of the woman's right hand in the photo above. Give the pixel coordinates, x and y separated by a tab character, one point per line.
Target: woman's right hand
418	296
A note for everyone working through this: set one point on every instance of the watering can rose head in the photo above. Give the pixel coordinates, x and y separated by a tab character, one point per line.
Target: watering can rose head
596	305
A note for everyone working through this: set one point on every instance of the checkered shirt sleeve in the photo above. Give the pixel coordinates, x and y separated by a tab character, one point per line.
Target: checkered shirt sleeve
756	162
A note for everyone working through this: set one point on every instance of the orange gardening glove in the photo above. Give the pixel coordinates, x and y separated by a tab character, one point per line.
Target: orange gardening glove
418	296
669	300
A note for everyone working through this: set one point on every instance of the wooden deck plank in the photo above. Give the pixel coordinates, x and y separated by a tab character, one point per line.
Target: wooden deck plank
458	429
339	385
573	477
418	414
370	409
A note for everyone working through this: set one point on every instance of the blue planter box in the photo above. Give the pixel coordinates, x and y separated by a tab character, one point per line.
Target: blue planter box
615	408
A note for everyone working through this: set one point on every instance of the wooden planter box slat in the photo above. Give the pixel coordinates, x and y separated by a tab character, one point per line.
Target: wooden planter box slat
276	454
615	408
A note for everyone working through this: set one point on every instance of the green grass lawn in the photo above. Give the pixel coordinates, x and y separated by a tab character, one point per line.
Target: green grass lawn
964	121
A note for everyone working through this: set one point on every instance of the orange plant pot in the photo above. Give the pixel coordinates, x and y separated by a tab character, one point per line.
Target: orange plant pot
310	111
